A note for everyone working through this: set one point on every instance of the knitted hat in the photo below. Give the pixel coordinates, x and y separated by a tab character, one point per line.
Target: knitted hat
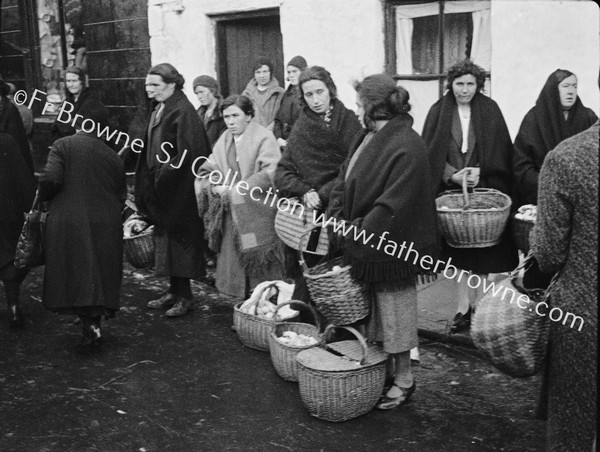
298	62
208	82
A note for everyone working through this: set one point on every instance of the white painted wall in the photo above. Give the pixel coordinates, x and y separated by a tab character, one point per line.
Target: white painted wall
530	40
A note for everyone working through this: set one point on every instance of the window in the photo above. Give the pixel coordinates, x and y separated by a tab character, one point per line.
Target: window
425	39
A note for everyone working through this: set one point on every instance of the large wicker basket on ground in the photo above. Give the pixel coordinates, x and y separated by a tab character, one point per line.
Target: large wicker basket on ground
284	356
341	380
520	231
139	249
473	220
253	330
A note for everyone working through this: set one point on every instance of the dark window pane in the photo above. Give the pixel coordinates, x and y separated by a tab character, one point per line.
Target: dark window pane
425	45
458	36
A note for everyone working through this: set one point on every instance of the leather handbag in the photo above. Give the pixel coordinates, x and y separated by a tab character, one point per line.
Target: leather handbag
30	247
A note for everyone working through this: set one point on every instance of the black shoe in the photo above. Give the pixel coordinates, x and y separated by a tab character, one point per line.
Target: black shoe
461	322
15	317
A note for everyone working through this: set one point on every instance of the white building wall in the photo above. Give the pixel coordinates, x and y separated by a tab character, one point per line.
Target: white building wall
530	40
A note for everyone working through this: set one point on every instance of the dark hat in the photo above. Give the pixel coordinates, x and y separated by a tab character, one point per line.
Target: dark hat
94	110
207	81
298	62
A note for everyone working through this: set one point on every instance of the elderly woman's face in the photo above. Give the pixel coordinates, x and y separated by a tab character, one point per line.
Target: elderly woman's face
464	89
293	74
236	120
262	75
316	95
74	84
157	89
567	91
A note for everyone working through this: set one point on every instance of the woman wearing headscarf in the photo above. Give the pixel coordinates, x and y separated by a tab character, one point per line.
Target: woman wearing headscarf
207	91
17	187
565	239
466	134
77	94
84	184
164	187
384	189
234	192
557	115
265	93
290	103
12	124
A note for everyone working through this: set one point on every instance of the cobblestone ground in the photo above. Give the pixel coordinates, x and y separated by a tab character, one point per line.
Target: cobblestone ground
187	384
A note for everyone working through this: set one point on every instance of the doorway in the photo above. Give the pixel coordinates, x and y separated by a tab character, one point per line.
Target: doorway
241	39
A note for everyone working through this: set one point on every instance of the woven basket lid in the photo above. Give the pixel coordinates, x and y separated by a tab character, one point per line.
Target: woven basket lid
318	358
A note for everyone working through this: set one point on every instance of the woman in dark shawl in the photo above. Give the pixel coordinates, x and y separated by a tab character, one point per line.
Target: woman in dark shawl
558	114
383	190
164	187
12	124
290	107
466	133
77	94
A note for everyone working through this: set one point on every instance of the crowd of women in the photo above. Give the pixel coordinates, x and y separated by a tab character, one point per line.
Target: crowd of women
371	170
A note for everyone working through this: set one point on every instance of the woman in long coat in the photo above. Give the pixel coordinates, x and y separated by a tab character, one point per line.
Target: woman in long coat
12	124
17	186
291	106
235	197
265	93
164	187
84	183
383	189
466	133
557	115
565	239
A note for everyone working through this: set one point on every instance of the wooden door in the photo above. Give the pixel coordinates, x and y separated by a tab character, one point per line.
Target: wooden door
240	41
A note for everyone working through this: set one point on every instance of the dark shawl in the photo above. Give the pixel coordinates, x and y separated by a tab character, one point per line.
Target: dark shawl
315	151
387	190
214	126
543	127
11	123
288	113
166	194
61	129
84	180
493	151
17	187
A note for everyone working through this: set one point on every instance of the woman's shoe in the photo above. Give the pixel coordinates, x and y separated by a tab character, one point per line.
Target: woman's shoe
15	317
461	322
389	403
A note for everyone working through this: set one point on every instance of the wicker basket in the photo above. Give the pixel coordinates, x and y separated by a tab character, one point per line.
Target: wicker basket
510	332
252	330
341	380
291	225
139	249
520	231
284	356
340	298
475	220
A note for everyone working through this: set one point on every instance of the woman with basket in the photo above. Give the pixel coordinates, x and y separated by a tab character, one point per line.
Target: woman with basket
234	194
384	189
467	139
164	187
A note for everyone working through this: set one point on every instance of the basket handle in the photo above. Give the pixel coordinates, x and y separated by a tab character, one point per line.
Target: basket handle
361	340
303	265
465	191
300	304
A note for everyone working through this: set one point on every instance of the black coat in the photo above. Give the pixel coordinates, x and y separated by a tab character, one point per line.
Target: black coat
84	180
387	191
11	123
17	187
215	126
164	192
494	153
315	151
288	114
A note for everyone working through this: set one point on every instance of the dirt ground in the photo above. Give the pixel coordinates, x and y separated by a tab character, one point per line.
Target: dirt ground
187	384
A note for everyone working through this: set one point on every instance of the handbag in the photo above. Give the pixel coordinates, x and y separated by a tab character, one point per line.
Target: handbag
30	247
506	328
